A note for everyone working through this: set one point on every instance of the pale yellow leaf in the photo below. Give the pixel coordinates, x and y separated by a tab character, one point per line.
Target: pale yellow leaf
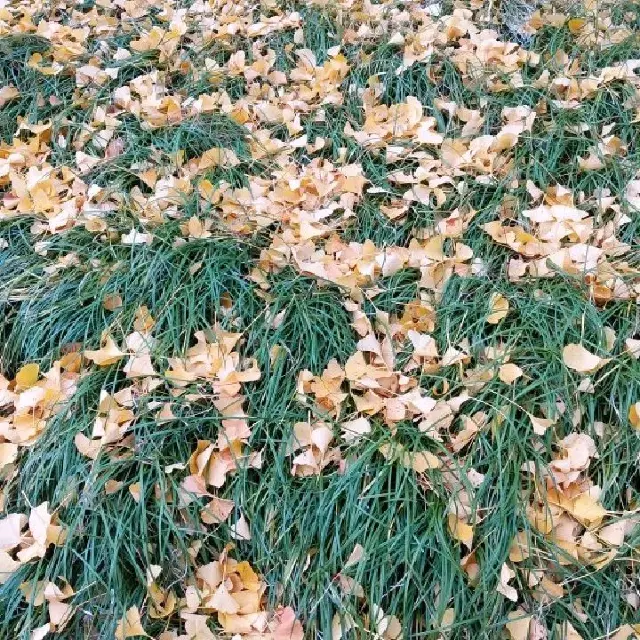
498	307
130	625
107	354
576	357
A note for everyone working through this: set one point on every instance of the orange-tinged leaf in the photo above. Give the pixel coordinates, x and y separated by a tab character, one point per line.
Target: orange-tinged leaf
587	510
634	415
112	301
289	628
576	24
8	453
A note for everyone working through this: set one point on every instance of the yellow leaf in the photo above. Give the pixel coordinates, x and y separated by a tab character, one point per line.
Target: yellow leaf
222	601
355	429
460	530
130	625
576	357
139	366
27	376
499	308
134	490
587	510
113	486
626	631
634	415
576	24
106	355
420	461
570	633
506	575
540	425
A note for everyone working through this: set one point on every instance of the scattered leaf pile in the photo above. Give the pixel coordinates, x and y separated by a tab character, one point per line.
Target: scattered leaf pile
347	290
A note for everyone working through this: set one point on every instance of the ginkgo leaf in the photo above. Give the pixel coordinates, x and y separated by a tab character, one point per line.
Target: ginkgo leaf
40	632
498	308
460	530
8	453
540	425
518	625
506	575
289	627
632	347
576	357
27	375
570	633
130	625
108	354
634	415
112	302
587	509
509	373
223	601
355	429
139	366
240	530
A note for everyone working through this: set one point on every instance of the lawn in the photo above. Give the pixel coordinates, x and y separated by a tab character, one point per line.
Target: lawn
319	320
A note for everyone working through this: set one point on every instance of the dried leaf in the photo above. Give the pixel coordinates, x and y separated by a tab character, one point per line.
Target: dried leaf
130	625
509	373
107	354
576	357
498	308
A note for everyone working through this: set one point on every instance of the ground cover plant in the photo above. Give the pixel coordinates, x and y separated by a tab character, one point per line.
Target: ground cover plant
319	319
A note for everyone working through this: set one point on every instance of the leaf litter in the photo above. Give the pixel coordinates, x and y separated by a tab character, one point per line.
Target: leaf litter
310	135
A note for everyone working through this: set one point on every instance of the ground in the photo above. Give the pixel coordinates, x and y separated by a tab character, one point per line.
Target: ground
319	320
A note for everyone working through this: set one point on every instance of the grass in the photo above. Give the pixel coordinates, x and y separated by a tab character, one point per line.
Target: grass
304	529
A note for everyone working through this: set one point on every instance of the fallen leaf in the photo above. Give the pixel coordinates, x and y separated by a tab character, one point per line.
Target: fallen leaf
112	301
130	625
576	357
634	415
354	429
509	373
27	376
518	625
289	628
107	354
460	530
498	308
506	575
